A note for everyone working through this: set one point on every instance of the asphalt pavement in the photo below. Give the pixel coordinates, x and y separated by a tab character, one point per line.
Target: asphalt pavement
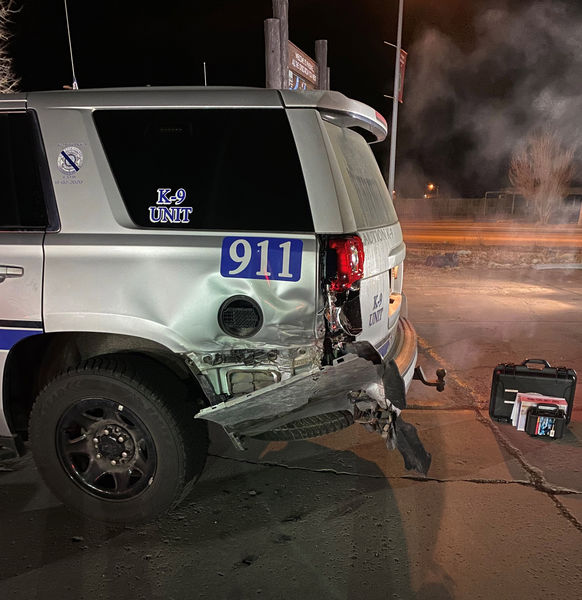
338	517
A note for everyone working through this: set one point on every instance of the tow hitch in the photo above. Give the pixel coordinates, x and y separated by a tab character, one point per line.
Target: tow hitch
439	383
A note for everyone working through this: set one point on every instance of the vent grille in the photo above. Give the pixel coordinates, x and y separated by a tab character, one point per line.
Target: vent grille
240	317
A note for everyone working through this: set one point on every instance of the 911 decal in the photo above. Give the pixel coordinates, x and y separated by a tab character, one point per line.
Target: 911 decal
261	258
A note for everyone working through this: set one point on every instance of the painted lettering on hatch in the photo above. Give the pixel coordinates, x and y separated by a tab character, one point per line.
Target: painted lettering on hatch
377	310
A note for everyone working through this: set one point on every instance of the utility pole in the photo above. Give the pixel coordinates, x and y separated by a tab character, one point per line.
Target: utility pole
392	166
321	60
281	12
273	53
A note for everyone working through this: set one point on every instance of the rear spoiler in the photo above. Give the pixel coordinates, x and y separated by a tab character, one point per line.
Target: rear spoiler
337	108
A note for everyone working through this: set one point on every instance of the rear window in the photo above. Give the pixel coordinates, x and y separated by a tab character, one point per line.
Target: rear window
209	169
371	203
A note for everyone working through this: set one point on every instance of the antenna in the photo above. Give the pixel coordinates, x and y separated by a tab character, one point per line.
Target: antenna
205	82
75	84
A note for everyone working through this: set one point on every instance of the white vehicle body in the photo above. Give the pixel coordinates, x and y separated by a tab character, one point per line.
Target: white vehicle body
203	228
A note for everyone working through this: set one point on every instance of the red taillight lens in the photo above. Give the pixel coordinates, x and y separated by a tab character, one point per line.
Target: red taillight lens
350	262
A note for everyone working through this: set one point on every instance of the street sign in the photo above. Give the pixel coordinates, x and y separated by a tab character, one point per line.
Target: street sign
303	70
298	83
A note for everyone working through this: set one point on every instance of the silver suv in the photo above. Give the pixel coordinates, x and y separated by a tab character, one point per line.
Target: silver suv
177	256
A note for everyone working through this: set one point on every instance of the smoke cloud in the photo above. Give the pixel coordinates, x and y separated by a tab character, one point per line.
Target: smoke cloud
467	108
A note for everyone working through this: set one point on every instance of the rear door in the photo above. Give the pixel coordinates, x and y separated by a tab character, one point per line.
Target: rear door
23	222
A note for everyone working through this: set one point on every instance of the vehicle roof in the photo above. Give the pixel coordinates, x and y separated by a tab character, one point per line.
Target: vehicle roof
333	106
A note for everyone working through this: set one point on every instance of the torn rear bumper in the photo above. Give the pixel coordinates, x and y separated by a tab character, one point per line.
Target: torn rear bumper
360	382
316	392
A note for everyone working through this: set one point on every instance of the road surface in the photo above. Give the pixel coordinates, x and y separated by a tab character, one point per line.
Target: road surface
491	234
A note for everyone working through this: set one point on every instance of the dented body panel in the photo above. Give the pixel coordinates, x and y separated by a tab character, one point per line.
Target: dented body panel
167	288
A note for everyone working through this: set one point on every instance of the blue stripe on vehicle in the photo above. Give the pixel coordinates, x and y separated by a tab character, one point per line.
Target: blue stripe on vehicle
382	350
10	337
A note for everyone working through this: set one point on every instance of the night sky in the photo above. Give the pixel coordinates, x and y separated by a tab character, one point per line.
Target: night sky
468	80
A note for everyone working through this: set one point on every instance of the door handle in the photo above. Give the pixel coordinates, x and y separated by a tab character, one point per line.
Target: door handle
7	272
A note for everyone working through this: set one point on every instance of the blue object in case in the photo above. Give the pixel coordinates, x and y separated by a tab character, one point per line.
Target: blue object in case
545	420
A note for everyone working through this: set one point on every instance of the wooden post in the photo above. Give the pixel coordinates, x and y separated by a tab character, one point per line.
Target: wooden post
281	12
272	54
321	59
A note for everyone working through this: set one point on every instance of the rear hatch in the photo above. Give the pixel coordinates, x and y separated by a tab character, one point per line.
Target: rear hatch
380	289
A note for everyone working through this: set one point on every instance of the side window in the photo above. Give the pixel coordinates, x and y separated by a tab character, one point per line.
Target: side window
208	169
21	196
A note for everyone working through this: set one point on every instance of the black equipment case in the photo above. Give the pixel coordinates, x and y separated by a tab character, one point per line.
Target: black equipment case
545	420
533	375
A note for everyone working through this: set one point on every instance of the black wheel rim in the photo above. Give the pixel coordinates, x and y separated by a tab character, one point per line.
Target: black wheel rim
106	449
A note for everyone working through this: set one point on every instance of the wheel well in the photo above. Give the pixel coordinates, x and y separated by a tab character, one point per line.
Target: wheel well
34	361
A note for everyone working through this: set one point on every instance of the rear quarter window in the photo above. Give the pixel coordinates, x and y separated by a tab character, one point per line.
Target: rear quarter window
369	197
22	200
207	169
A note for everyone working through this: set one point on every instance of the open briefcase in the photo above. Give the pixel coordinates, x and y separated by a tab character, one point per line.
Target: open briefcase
533	375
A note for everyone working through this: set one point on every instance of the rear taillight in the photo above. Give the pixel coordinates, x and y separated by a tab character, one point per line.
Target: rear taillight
350	262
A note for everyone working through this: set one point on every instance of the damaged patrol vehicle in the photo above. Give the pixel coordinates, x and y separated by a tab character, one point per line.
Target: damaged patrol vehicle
176	256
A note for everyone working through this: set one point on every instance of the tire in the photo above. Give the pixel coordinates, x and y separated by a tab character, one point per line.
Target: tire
115	439
309	427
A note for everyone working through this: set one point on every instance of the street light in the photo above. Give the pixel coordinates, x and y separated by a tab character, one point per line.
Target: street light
431	188
392	166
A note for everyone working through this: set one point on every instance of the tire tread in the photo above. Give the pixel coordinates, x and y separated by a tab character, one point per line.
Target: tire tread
309	427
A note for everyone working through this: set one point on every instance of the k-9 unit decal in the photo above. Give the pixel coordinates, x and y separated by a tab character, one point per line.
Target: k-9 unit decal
261	258
377	311
169	209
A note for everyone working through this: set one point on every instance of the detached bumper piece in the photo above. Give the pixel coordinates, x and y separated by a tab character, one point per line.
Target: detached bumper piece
380	413
396	431
358	382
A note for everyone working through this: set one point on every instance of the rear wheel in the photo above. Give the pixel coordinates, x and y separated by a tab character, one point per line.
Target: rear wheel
116	440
